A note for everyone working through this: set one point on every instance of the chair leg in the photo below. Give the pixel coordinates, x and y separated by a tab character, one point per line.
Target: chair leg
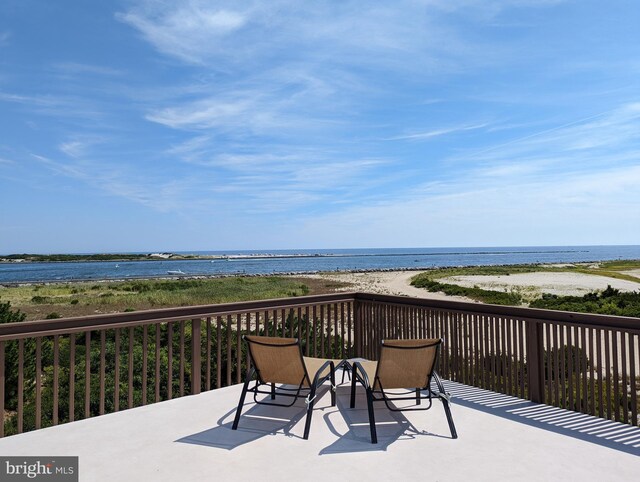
245	387
447	411
273	391
418	399
445	402
310	403
372	419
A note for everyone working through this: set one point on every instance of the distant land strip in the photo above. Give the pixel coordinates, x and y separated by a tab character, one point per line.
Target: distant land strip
67	258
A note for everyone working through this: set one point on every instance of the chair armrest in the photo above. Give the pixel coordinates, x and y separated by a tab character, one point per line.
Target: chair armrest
441	391
362	376
321	369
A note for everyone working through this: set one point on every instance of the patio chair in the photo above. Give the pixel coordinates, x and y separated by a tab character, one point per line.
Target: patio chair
280	360
404	364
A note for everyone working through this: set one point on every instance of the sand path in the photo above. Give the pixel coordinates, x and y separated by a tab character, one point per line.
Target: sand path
388	283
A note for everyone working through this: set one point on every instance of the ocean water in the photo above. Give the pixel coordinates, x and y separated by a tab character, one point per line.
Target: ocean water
306	261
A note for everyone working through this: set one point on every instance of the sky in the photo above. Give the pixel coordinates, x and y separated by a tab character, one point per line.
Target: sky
177	125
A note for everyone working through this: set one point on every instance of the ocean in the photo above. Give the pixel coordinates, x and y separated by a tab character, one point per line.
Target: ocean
309	261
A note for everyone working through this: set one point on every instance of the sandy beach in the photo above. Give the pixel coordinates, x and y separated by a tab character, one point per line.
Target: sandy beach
533	284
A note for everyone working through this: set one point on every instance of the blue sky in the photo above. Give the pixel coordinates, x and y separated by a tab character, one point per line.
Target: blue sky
203	125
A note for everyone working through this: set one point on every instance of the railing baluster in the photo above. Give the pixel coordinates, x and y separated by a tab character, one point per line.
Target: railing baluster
228	328
556	355
169	360
322	352
616	376
592	339
548	345
158	329
56	379
130	373
72	376
584	364
20	385
145	362
2	389
102	370
607	355
196	356
523	357
116	370
87	374
600	398
239	348
38	362
632	376
208	355
181	362
623	354
218	352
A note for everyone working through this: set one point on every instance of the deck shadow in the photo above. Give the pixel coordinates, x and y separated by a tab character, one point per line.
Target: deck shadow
607	433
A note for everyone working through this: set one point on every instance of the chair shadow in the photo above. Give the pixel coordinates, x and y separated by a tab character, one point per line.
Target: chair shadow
391	427
257	422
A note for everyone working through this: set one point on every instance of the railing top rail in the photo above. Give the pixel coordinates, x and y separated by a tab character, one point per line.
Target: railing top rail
517	312
24	329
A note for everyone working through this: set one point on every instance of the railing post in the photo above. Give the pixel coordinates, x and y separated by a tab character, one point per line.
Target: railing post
357	329
196	374
535	361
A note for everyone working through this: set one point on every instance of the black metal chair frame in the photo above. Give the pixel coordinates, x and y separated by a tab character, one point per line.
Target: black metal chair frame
359	374
299	391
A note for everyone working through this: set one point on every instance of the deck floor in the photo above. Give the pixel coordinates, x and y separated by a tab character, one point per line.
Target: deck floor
190	438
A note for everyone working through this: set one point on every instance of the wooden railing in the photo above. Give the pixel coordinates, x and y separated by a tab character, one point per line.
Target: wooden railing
56	371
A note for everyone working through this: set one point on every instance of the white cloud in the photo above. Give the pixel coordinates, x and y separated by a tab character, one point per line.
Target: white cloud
439	132
188	30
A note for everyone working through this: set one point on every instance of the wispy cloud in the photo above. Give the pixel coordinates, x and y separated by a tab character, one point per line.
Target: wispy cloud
4	38
80	69
189	31
439	132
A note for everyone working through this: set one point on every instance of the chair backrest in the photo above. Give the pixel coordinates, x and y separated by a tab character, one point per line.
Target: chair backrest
406	363
277	360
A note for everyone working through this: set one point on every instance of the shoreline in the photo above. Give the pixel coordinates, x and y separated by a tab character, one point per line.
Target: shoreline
187	276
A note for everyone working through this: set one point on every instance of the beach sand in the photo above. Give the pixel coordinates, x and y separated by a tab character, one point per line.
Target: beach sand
536	283
561	284
387	282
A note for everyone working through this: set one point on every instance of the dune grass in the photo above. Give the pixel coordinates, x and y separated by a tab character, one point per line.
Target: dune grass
75	299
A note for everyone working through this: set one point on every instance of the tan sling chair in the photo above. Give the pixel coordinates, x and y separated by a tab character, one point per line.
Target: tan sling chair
404	364
279	360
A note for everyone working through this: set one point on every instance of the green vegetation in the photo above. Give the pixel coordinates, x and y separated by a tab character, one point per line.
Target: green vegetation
478	294
609	302
76	257
88	298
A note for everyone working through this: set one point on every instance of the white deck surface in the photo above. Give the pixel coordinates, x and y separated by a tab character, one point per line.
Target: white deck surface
190	439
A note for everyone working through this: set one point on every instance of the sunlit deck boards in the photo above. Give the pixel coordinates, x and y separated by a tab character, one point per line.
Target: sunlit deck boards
190	439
